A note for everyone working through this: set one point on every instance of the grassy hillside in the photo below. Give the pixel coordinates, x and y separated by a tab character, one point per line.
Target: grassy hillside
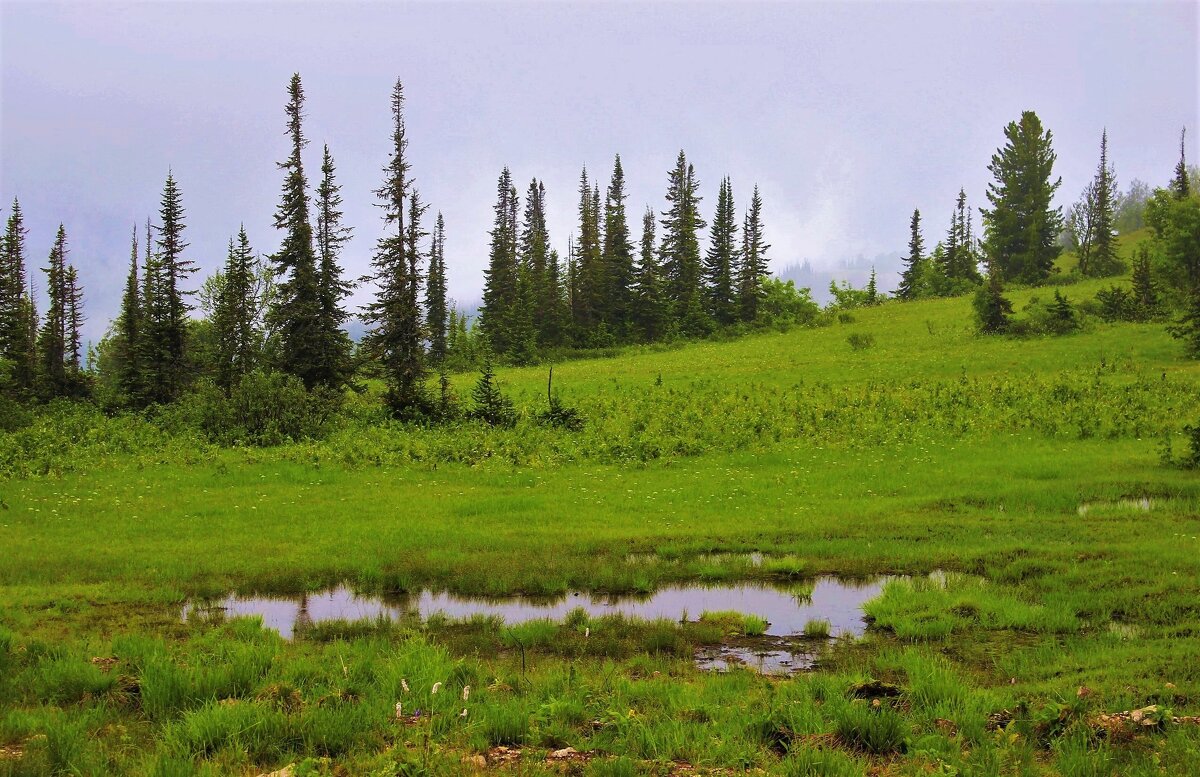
1027	472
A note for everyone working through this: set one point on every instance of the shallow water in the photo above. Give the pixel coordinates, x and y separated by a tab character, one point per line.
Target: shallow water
786	608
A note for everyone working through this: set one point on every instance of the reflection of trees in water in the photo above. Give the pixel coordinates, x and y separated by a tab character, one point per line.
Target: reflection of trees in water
303	616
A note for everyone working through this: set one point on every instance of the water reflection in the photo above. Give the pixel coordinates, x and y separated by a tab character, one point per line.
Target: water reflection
786	608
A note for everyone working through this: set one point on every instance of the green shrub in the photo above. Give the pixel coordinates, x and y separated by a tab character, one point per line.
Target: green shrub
262	409
860	341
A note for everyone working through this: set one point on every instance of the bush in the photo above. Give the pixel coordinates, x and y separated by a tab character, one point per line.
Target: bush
860	341
262	409
491	406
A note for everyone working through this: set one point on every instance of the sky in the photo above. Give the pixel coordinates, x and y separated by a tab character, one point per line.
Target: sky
847	116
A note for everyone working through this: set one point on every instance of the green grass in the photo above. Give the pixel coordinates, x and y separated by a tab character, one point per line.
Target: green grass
931	451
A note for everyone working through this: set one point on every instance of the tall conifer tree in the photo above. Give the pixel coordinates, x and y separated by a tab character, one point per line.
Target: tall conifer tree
129	328
1102	253
333	346
235	320
53	343
435	294
16	305
914	262
170	313
680	249
500	292
394	315
754	259
618	255
1022	226
296	313
591	280
649	293
720	263
1180	184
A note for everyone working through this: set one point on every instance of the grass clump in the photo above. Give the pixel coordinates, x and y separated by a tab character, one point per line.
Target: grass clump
817	629
878	730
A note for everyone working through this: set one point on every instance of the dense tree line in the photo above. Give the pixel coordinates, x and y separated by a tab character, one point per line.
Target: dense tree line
612	290
680	275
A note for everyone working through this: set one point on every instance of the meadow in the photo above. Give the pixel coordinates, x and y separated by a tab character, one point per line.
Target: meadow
1034	479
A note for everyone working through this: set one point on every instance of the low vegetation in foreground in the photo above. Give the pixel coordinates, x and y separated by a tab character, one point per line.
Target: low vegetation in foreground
1039	479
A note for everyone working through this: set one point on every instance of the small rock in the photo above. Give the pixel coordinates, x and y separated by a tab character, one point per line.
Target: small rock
566	754
477	761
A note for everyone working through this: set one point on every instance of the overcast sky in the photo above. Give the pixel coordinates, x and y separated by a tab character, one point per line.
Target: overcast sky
847	115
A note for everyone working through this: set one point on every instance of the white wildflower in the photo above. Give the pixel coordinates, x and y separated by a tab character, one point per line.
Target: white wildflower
466	692
404	684
463	714
436	687
399	711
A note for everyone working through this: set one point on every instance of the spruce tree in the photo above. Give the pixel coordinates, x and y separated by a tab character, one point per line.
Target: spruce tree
1102	249
333	345
754	259
960	259
16	305
1022	226
1180	185
173	271
649	316
992	308
435	294
721	262
873	296
235	320
618	255
591	279
500	279
1145	296
295	315
52	342
153	357
74	323
680	249
910	279
129	329
394	316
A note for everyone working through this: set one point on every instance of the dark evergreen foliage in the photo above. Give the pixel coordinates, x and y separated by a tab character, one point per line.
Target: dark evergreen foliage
1022	226
1180	185
650	314
295	315
18	321
54	340
753	270
913	263
617	276
680	249
992	308
491	406
129	329
500	285
1145	295
436	320
235	318
721	262
395	336
960	262
333	344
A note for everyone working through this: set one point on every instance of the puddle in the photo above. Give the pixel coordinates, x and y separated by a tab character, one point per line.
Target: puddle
771	656
786	608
